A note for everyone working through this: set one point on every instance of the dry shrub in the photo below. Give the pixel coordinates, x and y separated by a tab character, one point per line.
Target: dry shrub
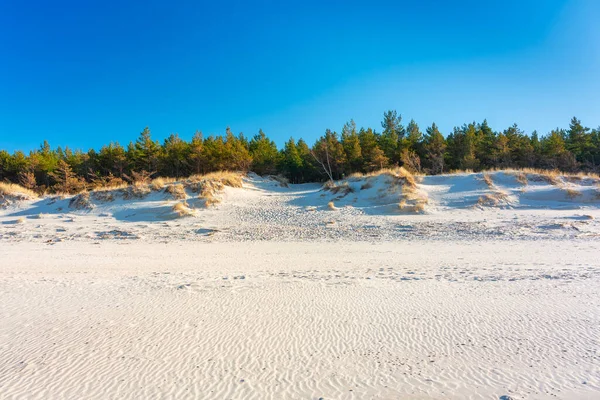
417	208
104	183
141	178
27	180
81	201
283	181
157	184
521	178
572	193
136	191
487	178
492	199
17	191
328	185
208	186
177	191
227	178
331	206
411	161
366	185
103	196
412	200
183	210
209	191
343	188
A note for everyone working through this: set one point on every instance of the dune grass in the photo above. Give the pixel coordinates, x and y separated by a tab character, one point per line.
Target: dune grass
183	210
16	191
177	191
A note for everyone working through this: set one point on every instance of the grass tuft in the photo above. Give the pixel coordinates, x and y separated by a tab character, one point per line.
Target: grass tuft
183	210
81	201
177	190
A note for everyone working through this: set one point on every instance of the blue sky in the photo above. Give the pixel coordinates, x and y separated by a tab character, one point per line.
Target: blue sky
84	73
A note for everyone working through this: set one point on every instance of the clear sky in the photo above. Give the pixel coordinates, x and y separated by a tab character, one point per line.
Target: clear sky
83	73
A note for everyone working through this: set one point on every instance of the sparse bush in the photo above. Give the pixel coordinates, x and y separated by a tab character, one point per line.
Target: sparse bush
283	181
177	191
522	178
492	199
366	185
487	178
103	195
183	210
136	191
81	202
572	193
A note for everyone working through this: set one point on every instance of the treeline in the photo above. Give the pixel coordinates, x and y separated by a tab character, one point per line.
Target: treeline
474	146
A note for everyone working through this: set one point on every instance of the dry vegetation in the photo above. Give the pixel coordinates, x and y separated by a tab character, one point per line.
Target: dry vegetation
81	201
183	210
177	191
492	199
572	193
487	178
283	181
11	193
344	188
367	185
16	191
136	191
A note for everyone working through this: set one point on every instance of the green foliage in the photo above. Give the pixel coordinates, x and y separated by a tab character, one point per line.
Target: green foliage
472	146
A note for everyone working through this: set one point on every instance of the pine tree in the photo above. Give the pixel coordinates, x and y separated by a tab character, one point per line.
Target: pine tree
146	152
291	162
175	157
265	155
435	147
351	145
392	135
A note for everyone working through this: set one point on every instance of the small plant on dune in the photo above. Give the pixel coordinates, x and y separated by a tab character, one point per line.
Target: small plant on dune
343	188
142	177
539	175
283	181
81	201
136	191
157	184
331	206
572	193
18	191
227	178
492	199
366	185
487	178
177	191
105	183
183	210
522	178
104	196
328	185
209	190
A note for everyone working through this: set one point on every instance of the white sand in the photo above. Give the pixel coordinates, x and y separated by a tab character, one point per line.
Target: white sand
264	297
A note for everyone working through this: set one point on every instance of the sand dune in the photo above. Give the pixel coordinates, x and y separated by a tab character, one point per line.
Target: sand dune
464	286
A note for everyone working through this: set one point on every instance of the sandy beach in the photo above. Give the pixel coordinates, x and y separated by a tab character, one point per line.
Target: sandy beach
456	303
